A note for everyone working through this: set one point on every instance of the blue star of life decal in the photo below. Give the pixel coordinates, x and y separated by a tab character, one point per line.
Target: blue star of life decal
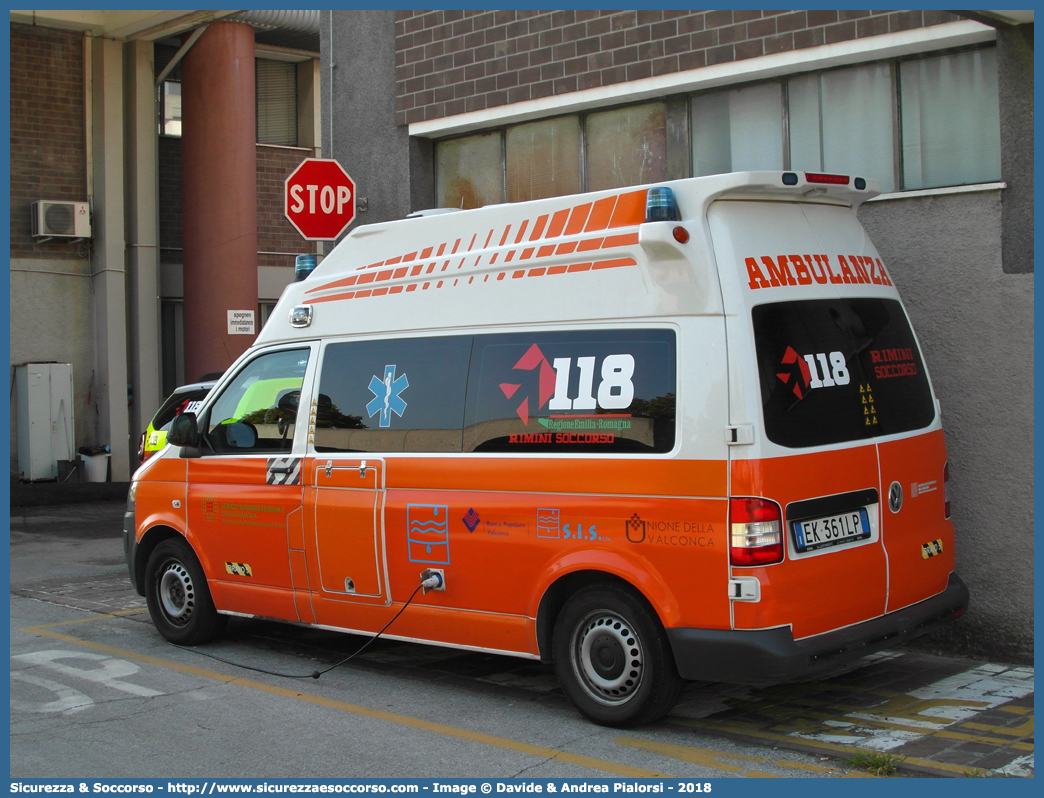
386	397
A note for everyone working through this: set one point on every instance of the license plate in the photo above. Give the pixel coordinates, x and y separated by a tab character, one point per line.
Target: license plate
831	530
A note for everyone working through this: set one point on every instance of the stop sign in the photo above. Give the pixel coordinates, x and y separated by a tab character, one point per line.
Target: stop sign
319	199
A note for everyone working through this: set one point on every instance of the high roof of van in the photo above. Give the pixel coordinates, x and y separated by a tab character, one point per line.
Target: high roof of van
578	257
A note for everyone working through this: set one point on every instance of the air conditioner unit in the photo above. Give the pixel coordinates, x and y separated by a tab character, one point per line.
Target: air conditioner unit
60	219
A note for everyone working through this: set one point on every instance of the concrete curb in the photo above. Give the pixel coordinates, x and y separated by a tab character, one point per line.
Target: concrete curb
40	494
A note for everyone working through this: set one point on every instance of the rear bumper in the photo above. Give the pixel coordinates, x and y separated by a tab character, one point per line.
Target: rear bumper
772	655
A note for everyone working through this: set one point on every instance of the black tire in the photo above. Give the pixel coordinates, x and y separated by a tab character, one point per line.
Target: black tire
612	658
178	597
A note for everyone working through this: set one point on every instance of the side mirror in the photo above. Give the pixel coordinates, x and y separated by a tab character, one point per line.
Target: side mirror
183	430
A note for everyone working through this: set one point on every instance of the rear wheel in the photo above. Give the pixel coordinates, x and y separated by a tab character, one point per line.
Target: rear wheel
178	597
612	658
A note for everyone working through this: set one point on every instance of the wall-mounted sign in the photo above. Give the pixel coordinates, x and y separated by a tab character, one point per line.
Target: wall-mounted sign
240	322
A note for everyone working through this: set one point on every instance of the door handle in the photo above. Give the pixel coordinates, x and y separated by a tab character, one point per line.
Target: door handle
362	470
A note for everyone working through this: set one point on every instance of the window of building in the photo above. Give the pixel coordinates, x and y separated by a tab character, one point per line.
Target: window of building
543	159
950	120
275	99
737	130
841	121
910	124
276	102
170	108
469	171
626	146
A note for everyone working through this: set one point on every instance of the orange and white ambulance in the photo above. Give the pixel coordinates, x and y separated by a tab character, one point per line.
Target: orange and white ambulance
671	432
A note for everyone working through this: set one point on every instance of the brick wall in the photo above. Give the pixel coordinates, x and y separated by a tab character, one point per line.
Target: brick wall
48	145
274	232
452	62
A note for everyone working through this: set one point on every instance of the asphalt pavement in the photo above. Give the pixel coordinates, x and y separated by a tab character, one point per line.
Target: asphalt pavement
925	714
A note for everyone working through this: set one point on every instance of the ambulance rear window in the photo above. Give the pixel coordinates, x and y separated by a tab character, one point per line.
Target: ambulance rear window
839	370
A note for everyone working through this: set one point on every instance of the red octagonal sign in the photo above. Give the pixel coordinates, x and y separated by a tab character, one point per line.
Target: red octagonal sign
319	199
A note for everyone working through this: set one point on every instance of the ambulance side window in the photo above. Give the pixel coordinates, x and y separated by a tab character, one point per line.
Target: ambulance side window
257	412
404	395
589	392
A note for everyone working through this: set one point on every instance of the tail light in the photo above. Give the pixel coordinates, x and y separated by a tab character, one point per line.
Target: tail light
757	532
946	490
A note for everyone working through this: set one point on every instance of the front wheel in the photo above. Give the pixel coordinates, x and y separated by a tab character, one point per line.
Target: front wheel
178	597
612	658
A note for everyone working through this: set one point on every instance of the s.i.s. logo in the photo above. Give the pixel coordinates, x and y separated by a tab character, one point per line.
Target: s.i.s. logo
615	389
819	370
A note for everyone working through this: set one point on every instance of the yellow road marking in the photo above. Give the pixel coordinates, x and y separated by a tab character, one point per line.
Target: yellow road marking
390	717
1017	710
1022	730
848	750
708	757
786	763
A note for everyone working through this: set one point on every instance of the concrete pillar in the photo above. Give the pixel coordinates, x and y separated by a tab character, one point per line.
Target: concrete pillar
108	268
394	173
219	194
142	234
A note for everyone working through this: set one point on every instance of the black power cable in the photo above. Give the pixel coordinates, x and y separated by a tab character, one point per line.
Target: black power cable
313	674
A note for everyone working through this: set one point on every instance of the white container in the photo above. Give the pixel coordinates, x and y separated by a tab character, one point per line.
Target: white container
97	466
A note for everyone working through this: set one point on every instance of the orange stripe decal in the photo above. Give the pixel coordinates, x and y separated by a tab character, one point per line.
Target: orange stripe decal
442	248
589	244
527	253
416	270
472	244
577	219
579	267
519	273
501	276
565	249
455	247
385	275
624	240
522	231
366	278
400	273
379	291
543	252
612	264
538	228
557	224
395	289
556	269
630	209
537	272
362	293
393	261
490	236
510	255
600	214
411	287
503	238
426	253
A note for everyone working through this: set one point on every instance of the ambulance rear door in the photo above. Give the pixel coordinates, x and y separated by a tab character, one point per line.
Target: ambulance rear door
805	428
